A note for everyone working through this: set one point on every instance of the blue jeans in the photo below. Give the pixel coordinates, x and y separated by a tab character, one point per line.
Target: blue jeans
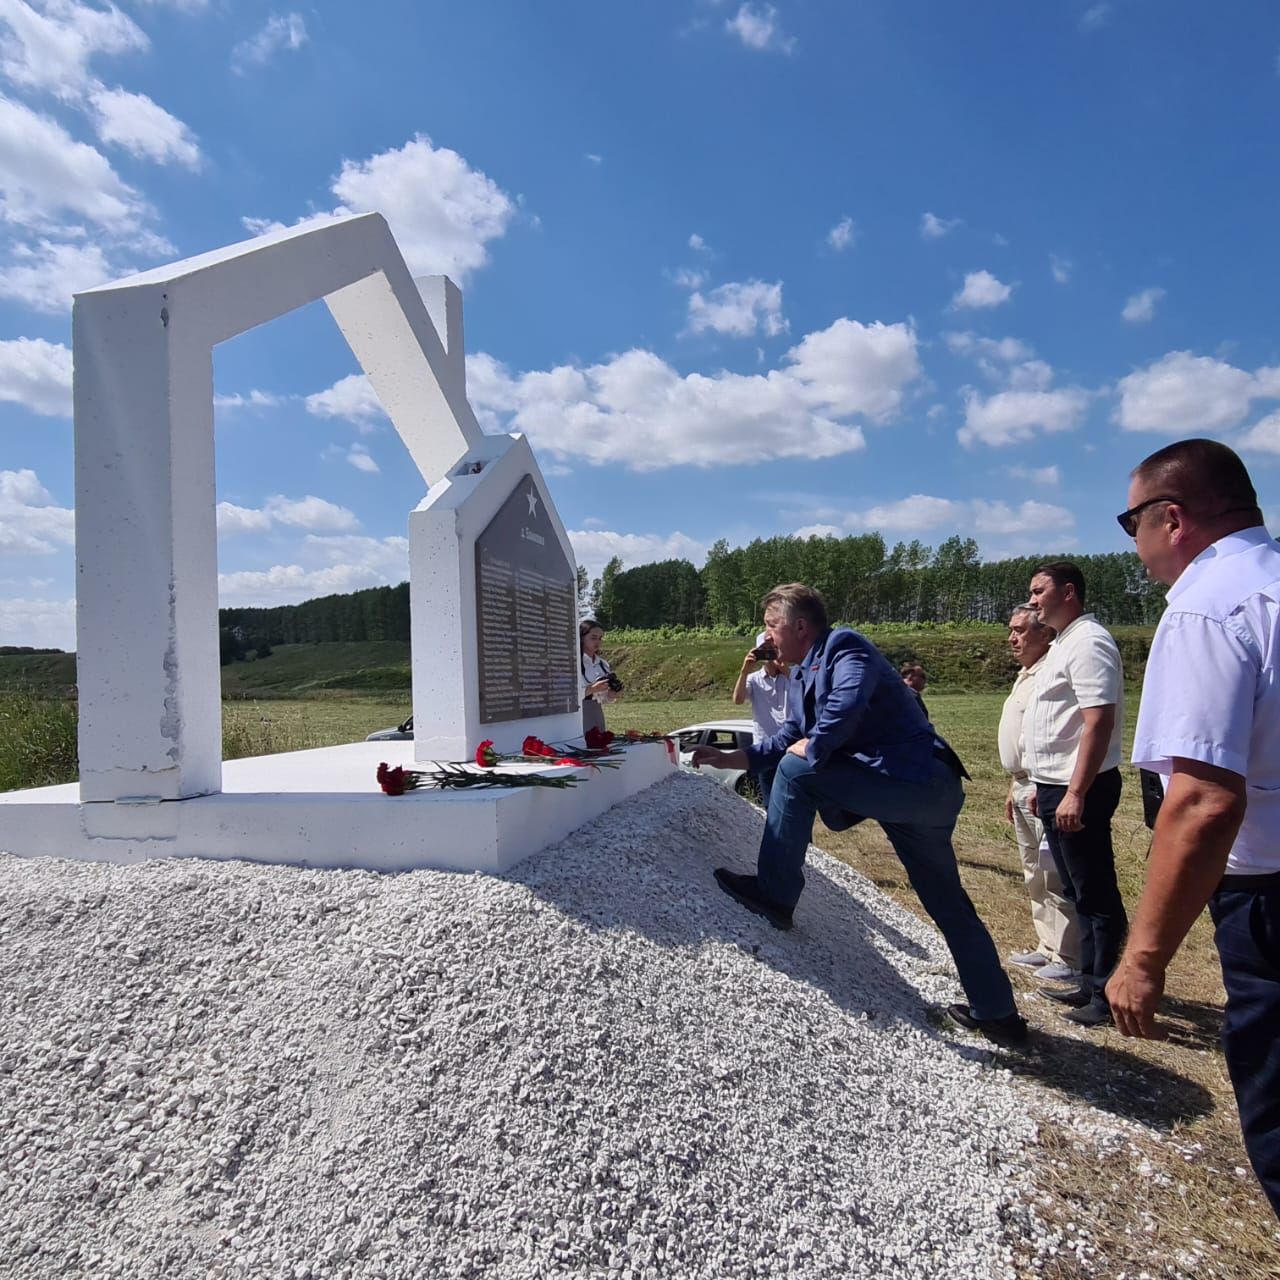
1246	923
918	818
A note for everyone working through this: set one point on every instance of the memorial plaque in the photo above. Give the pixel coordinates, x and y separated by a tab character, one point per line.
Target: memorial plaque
526	615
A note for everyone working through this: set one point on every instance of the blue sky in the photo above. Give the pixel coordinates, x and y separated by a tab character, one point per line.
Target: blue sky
737	269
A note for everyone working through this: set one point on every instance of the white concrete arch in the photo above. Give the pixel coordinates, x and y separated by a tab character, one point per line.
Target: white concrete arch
146	537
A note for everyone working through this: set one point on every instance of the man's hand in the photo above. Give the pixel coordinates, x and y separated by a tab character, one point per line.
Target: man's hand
718	758
1134	994
1008	808
749	662
1033	803
1069	816
799	748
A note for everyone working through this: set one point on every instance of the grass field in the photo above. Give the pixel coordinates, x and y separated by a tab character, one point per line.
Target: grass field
1152	1206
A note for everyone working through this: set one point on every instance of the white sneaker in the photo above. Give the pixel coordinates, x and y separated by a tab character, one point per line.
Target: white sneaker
1029	959
1059	972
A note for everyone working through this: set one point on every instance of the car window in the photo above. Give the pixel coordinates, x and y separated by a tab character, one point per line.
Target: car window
722	738
690	740
744	740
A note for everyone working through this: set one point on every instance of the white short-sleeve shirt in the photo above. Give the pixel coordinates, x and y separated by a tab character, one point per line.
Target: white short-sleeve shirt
1081	670
1212	688
768	696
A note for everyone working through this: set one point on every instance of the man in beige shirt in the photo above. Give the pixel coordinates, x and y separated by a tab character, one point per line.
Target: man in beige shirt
1056	957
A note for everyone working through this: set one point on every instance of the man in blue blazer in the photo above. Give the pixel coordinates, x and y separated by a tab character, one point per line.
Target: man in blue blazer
856	745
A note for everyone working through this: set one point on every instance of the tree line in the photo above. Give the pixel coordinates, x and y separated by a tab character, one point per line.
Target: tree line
862	581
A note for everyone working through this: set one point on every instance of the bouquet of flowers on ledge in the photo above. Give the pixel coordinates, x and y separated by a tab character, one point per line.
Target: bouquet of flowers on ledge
449	775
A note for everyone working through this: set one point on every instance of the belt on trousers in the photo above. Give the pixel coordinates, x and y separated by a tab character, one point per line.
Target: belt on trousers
1263	880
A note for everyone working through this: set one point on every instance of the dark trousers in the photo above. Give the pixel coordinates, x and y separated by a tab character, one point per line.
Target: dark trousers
1247	932
1086	864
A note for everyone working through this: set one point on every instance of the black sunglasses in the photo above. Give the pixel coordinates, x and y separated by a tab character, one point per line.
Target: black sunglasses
1128	520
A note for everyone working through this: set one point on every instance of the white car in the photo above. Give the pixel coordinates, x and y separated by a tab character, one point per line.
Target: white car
728	734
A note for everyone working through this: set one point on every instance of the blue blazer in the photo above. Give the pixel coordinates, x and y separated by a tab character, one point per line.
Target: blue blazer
849	701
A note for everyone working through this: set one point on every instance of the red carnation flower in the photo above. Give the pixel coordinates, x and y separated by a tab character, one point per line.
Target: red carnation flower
486	756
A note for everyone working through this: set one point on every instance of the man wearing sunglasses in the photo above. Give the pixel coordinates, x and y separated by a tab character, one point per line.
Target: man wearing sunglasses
1210	723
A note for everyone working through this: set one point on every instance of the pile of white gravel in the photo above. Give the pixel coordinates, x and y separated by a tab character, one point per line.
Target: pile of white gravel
597	1066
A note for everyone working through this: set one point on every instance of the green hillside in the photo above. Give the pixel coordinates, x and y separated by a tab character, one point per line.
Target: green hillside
675	666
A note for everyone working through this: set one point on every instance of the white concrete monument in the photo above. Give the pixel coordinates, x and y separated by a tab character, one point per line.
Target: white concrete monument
491	571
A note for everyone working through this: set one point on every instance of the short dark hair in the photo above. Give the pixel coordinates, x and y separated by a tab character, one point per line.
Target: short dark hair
908	667
1060	572
1203	475
795	598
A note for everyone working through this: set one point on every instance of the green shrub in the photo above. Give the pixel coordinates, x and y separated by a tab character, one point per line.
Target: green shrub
37	740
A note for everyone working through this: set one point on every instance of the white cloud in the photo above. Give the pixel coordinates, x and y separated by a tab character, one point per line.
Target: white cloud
842	235
1263	436
758	28
1015	415
698	244
311	513
37	375
636	410
981	290
182	6
1049	477
46	174
31	523
316	515
933	227
1095	17
1141	307
1030	522
44	624
595	158
45	275
994	356
360	458
594	548
1060	269
351	398
254	400
143	128
51	50
287	32
689	278
441	211
345	564
1182	393
739	310
909	515
1039	519
233	520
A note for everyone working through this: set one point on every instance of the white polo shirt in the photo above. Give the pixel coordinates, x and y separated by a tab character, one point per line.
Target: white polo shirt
1212	688
768	697
1081	670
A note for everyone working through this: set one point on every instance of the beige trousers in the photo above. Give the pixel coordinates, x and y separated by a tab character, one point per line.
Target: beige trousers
1054	915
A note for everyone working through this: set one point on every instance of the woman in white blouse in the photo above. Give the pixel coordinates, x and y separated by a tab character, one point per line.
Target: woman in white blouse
593	681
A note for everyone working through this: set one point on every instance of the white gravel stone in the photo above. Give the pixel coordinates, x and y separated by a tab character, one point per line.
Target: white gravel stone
596	1066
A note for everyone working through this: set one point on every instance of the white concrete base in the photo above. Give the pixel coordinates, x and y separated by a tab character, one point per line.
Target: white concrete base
323	808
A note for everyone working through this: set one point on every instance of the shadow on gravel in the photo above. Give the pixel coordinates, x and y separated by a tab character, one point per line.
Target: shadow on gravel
667	893
1112	1079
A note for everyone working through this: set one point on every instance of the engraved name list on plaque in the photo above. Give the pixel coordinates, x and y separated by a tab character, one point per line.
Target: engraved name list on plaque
526	619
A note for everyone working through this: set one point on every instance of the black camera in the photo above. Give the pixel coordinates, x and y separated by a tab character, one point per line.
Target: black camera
765	653
615	685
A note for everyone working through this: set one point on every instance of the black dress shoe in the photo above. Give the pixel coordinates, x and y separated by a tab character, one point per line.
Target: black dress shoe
1076	997
1009	1031
1094	1014
746	890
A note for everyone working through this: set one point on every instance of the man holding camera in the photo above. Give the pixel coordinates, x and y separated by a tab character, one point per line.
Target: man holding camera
766	689
856	745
